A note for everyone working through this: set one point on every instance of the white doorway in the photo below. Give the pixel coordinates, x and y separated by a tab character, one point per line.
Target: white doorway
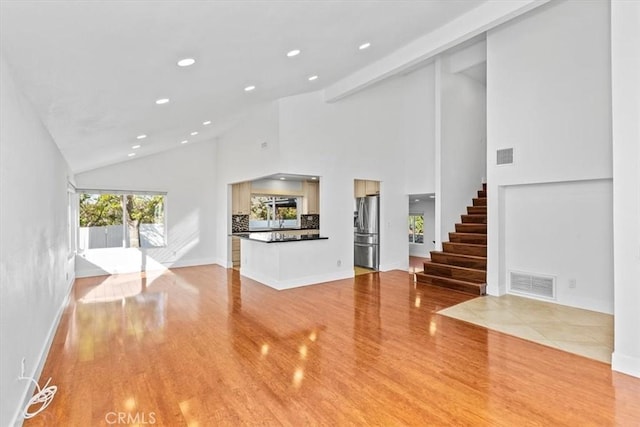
421	228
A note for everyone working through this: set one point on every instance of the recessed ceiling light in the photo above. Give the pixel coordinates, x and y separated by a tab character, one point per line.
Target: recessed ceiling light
184	142
162	101
314	178
208	122
194	133
249	88
432	197
135	147
186	62
294	52
363	46
131	154
143	136
312	78
416	200
282	178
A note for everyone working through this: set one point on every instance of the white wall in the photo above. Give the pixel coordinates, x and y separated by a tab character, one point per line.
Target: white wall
428	209
463	148
418	128
33	243
361	137
625	34
240	156
187	175
548	97
579	212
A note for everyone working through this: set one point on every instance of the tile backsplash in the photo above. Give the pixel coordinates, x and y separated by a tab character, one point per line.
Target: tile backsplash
310	221
239	223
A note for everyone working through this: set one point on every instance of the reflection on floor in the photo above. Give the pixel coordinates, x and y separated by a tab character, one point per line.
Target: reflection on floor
416	264
583	332
362	270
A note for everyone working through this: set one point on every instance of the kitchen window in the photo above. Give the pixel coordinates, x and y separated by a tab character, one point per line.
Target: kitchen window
416	228
269	211
121	219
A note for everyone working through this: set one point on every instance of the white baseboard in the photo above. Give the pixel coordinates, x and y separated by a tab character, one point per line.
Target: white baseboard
400	265
190	262
42	357
93	272
223	262
295	283
629	365
90	273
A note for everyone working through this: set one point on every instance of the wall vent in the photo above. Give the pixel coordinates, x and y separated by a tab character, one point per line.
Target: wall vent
504	156
532	284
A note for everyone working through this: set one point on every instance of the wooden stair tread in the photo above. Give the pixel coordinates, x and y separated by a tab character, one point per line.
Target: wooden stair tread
466	244
477	238
464	248
455	272
452	266
476	257
471	227
458	285
482	210
462	260
474	218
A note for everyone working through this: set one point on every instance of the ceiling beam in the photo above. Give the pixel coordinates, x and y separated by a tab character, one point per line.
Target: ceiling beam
473	23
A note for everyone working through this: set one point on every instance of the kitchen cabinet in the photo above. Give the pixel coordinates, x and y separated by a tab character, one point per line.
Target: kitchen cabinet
311	198
364	188
372	188
241	198
358	188
235	252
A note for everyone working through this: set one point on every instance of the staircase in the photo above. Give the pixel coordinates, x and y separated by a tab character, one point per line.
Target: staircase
462	264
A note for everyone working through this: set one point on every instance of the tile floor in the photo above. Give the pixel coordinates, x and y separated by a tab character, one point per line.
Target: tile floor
583	332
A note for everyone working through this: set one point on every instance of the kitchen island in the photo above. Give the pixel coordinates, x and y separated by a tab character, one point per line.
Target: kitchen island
284	260
278	236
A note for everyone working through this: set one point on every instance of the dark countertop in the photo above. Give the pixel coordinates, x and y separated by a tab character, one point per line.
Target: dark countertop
278	237
277	230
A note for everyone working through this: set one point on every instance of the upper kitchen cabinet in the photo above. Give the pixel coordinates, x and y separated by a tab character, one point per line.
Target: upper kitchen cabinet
311	198
372	188
364	188
241	198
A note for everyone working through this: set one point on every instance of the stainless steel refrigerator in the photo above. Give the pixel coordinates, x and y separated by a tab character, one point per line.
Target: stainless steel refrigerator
366	239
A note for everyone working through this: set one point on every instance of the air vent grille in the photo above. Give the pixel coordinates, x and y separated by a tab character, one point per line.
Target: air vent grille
532	284
504	156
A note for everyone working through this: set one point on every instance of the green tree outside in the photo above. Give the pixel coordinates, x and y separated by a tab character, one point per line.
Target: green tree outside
101	210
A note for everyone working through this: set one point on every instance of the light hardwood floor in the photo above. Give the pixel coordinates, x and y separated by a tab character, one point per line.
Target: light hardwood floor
203	346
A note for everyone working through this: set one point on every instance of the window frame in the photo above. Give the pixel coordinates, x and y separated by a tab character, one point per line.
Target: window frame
412	227
122	194
272	222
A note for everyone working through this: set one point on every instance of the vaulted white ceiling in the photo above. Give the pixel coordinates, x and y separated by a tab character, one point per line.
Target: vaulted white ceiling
94	69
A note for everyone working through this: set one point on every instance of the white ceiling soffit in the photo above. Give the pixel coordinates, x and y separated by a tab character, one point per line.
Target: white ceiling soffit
94	69
465	27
